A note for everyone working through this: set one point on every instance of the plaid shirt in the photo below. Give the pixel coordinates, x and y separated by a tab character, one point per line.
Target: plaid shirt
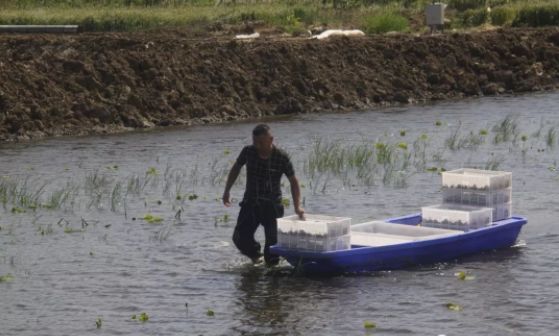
263	176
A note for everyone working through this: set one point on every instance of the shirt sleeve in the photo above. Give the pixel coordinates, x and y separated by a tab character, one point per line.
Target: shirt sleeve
288	166
242	159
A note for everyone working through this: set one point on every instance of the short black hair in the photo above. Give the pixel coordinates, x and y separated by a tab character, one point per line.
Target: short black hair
260	129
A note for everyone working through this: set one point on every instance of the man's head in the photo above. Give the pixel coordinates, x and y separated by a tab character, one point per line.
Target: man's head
262	137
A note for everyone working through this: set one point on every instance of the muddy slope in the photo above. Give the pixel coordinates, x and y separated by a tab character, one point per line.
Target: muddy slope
97	83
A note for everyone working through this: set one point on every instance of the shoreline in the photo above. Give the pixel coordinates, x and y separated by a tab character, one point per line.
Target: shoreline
105	83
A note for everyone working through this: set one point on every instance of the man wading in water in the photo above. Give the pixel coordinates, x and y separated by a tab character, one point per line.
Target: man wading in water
262	200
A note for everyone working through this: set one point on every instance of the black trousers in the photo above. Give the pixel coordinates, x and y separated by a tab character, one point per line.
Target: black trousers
251	216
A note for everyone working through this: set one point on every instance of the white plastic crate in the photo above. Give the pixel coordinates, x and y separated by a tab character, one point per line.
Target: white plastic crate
456	216
316	233
483	198
476	179
502	211
314	243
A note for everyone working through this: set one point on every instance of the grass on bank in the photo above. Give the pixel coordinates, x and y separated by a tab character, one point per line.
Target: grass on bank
289	16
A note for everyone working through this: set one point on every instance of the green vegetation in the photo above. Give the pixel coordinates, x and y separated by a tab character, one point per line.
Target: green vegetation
289	16
151	219
6	278
143	317
369	325
464	276
384	23
516	13
453	306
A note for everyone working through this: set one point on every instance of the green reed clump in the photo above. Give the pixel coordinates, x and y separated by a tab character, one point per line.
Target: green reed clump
537	16
505	130
551	137
384	23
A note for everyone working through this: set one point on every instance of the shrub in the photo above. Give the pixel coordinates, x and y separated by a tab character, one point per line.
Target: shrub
537	16
475	17
502	16
383	23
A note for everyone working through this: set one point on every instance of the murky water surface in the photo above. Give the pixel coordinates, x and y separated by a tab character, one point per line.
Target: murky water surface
110	227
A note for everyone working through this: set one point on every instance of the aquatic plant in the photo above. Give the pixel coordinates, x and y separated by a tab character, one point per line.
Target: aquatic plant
72	230
151	219
453	306
551	137
6	278
463	276
369	325
144	317
505	130
152	171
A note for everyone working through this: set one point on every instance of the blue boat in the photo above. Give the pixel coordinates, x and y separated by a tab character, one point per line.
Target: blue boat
395	252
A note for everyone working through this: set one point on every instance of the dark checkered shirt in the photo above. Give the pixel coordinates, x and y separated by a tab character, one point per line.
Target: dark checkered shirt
263	176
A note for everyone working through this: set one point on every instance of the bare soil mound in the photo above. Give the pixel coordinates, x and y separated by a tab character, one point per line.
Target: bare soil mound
54	85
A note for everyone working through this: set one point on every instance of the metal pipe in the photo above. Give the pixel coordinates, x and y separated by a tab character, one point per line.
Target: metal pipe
39	29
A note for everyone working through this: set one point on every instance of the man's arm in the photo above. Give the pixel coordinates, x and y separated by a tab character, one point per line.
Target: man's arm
231	178
296	194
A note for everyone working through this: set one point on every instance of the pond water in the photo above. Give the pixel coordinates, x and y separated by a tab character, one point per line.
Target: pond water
108	227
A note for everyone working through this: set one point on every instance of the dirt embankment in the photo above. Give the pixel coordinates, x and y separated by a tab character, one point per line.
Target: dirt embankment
97	83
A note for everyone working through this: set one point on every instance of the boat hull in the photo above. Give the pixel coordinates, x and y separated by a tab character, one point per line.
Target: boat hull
501	234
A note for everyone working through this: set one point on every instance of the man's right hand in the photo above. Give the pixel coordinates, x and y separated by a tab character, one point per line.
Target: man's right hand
226	199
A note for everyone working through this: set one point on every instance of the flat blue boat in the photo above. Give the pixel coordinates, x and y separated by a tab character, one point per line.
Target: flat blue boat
430	248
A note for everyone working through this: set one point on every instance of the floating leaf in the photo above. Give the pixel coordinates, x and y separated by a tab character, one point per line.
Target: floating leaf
524	138
463	276
72	230
192	197
438	123
152	219
369	325
453	306
152	171
380	146
17	210
210	312
98	322
285	202
6	278
403	145
483	132
402	133
226	152
134	317
143	317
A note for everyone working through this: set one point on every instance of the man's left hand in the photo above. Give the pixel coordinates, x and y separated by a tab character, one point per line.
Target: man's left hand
300	212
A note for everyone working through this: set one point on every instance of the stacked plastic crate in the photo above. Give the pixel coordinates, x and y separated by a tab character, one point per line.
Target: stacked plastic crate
316	233
472	198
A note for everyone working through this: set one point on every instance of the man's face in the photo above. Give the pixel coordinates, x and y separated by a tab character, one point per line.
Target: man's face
263	142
